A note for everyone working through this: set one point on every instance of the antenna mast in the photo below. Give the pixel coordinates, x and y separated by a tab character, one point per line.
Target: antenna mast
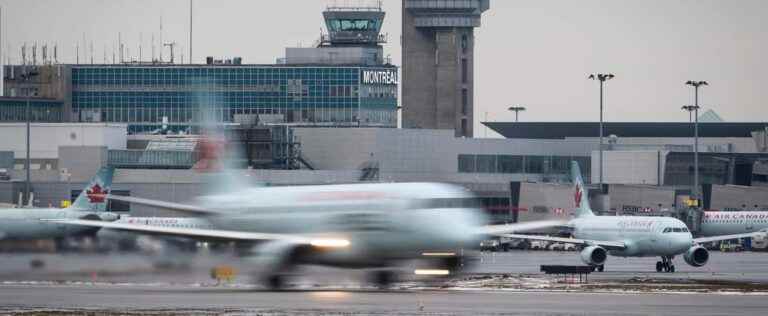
190	33
171	45
161	39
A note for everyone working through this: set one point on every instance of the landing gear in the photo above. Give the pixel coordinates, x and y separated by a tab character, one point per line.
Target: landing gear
275	282
383	278
600	268
665	265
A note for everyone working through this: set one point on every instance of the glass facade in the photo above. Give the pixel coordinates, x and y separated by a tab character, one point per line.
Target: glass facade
545	165
15	110
148	97
712	170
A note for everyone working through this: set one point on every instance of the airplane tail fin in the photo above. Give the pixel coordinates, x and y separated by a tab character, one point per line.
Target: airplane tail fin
94	195
580	196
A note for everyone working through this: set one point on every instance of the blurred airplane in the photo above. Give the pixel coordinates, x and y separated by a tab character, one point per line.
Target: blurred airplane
39	223
377	226
630	236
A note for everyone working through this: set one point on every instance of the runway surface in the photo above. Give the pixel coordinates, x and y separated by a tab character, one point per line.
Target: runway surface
185	300
501	283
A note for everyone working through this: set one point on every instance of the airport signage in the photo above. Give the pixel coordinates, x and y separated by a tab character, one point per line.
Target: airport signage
380	76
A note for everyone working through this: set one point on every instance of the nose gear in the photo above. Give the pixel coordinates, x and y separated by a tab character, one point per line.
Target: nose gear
665	264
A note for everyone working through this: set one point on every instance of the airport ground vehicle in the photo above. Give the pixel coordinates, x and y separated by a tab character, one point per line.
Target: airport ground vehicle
731	247
538	245
561	246
490	245
506	244
760	243
4	175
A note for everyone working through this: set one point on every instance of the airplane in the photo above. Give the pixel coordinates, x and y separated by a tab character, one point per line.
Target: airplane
39	223
376	226
722	223
630	236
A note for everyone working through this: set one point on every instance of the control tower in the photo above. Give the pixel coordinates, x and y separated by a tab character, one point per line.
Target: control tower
438	63
353	37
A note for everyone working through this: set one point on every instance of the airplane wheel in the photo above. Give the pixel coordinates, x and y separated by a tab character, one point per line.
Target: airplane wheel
275	282
383	279
601	268
672	268
659	266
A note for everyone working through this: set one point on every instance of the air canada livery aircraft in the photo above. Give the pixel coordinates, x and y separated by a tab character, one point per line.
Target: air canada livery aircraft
630	236
38	223
723	223
378	225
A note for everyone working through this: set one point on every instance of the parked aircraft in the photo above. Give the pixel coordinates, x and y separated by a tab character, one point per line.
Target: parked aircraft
630	236
724	223
38	223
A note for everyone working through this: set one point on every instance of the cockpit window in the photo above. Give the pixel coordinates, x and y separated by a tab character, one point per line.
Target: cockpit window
675	230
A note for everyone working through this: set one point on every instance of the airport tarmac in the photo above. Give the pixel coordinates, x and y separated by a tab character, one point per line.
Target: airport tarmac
185	300
500	283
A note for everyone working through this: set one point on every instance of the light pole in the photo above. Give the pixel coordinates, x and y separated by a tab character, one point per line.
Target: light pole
517	109
27	185
690	109
602	78
696	85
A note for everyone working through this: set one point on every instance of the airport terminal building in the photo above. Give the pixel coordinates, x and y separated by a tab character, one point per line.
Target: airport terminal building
147	96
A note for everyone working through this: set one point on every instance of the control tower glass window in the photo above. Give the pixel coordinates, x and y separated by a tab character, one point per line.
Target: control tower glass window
353	25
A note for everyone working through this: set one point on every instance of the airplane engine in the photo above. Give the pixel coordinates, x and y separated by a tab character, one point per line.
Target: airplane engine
594	255
696	256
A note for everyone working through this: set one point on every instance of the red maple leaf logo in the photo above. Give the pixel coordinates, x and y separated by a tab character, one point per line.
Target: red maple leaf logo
577	196
209	152
96	194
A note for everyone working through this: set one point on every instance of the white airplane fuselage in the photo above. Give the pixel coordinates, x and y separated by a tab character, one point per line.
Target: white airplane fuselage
30	223
383	222
643	236
727	223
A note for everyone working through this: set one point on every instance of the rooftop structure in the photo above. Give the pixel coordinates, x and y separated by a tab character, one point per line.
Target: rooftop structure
438	63
353	36
562	130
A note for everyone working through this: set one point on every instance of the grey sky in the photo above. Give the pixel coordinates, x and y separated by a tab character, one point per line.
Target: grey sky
529	52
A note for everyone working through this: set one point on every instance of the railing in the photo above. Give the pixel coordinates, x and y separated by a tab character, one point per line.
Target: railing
151	159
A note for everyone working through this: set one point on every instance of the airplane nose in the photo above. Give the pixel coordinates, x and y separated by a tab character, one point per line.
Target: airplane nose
683	243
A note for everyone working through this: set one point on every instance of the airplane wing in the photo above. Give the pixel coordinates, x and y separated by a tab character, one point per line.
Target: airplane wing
725	237
612	245
164	205
500	230
208	234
